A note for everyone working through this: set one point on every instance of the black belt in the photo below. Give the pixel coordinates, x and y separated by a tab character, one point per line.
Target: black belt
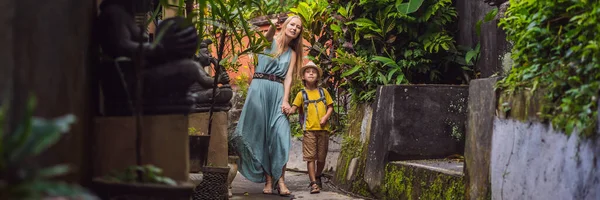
271	77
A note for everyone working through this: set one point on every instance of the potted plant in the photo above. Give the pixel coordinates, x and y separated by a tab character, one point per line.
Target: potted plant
21	177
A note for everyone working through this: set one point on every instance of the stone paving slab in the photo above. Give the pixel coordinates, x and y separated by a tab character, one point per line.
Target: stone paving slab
296	182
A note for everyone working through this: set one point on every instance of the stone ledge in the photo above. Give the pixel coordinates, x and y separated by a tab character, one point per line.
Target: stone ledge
450	167
423	179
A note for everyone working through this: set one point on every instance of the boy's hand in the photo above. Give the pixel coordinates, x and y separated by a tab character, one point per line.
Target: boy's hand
323	121
285	108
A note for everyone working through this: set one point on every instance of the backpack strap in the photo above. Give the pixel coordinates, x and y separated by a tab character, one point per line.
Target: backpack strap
307	101
303	115
322	93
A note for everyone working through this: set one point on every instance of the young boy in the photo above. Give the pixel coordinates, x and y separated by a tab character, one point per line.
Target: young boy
316	107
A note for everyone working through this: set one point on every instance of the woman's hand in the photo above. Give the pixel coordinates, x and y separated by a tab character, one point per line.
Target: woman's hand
285	108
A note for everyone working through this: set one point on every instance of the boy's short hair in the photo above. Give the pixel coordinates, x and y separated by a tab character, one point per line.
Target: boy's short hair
311	64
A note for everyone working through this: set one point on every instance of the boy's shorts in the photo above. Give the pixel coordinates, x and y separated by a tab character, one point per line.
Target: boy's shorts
314	145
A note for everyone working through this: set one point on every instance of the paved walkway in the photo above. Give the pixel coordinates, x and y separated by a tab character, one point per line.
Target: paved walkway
296	182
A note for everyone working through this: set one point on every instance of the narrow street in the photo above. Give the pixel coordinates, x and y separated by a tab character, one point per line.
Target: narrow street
296	182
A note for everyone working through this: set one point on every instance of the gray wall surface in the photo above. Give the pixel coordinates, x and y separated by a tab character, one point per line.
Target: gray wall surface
532	161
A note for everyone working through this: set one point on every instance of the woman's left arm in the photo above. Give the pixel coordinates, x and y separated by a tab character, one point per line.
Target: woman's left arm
287	84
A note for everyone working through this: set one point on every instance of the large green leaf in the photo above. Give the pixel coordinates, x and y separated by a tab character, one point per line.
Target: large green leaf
408	7
386	61
351	71
53	171
363	22
342	11
336	28
44	133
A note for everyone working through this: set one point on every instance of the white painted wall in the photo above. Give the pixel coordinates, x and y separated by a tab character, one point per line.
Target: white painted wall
532	161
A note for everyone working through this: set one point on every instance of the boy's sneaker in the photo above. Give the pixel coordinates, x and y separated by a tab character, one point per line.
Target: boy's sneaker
319	183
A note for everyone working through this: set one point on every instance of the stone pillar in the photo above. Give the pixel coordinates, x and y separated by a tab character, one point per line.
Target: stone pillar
164	144
217	149
478	144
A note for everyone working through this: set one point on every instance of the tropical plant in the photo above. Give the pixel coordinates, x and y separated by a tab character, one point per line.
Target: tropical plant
21	177
384	42
270	7
556	48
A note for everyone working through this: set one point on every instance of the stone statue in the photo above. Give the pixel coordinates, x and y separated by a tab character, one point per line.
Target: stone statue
170	75
202	90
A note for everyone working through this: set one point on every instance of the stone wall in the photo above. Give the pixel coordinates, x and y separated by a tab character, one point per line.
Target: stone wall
494	46
350	168
512	154
530	160
415	122
45	52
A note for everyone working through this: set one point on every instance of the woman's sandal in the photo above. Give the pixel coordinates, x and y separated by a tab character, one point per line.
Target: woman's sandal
267	191
314	187
286	193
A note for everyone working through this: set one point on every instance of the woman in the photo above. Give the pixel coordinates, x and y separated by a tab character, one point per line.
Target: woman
262	135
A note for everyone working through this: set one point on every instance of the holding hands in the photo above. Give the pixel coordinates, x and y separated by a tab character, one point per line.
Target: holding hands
286	108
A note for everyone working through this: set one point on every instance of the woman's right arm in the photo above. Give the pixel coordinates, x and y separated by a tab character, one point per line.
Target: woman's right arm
272	30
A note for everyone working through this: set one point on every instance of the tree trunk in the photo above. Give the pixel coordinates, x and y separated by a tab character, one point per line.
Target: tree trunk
189	7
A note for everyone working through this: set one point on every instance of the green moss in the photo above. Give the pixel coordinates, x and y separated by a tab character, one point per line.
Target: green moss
397	183
351	145
360	187
522	105
414	183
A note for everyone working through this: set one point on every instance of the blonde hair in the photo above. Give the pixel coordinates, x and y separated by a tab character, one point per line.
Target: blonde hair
295	44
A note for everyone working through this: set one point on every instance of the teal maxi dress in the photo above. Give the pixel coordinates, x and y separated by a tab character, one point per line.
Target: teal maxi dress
262	136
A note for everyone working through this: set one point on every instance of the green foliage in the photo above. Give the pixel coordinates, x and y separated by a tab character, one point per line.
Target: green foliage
150	174
242	83
472	54
269	7
226	24
364	44
20	176
296	129
556	48
409	7
193	131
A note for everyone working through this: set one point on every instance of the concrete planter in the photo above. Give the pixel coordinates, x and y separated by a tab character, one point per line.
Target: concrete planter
413	122
118	190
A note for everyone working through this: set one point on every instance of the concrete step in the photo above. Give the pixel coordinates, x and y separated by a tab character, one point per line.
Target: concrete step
424	179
